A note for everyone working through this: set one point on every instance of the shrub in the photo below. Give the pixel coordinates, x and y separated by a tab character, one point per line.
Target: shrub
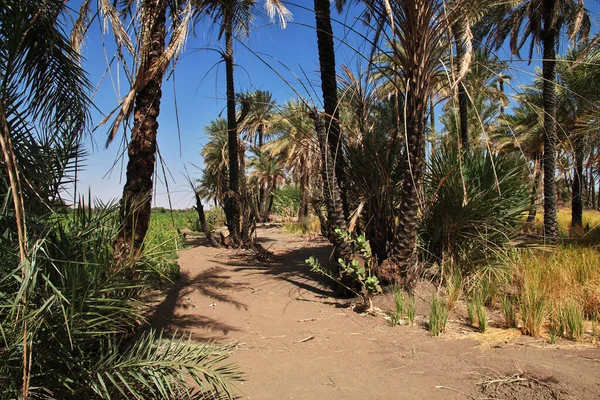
84	312
477	202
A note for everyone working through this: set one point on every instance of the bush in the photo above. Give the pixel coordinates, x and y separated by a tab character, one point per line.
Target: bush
477	203
79	317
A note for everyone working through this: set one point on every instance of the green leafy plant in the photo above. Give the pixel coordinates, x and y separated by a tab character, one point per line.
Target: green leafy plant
438	315
358	271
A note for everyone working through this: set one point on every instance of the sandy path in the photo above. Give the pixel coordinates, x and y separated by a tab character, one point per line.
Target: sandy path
296	342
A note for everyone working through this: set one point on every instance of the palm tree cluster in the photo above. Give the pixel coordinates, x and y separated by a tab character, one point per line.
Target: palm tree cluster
382	168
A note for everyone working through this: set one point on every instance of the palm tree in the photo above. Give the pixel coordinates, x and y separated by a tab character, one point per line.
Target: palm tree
421	28
256	116
214	181
330	95
297	147
541	22
233	18
43	89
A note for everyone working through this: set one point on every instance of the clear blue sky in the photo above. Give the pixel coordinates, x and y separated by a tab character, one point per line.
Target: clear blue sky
199	84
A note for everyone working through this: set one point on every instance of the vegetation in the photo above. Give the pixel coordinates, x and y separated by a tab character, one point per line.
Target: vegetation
399	194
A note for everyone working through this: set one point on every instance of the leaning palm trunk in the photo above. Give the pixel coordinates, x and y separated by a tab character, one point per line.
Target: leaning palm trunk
137	193
330	95
232	203
549	94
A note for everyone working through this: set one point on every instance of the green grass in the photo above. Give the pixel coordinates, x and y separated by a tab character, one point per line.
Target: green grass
438	315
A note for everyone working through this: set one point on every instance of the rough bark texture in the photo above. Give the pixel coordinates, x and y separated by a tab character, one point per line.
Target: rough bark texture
330	95
203	224
419	54
331	192
463	100
576	189
137	192
537	177
304	178
549	94
232	202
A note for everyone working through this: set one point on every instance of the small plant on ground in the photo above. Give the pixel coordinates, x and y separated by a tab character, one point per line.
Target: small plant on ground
411	310
438	315
454	288
359	272
508	310
398	313
533	308
481	314
471	312
574	320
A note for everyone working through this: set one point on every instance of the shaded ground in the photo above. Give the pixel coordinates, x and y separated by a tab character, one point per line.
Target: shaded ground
296	342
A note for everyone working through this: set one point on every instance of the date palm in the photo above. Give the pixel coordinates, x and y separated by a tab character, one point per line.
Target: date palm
297	146
540	22
233	17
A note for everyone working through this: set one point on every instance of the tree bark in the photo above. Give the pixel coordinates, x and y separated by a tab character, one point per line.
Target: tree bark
537	176
330	96
463	100
576	195
549	95
202	217
331	192
232	203
303	206
137	192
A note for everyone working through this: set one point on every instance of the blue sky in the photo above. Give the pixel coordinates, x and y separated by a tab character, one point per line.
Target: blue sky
199	84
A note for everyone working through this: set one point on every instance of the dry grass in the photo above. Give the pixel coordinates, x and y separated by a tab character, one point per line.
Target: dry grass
306	226
566	274
591	224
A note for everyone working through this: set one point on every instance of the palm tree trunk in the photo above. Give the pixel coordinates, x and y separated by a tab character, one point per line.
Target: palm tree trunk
432	126
331	192
576	195
537	176
463	100
403	252
232	203
303	207
549	94
330	95
202	217
137	192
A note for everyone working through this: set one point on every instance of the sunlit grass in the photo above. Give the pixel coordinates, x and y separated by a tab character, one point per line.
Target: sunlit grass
306	226
591	223
567	274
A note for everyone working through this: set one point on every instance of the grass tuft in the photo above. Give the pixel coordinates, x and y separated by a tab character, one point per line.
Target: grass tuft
438	315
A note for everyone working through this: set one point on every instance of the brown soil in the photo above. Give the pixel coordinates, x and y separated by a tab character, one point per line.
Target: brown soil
295	341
